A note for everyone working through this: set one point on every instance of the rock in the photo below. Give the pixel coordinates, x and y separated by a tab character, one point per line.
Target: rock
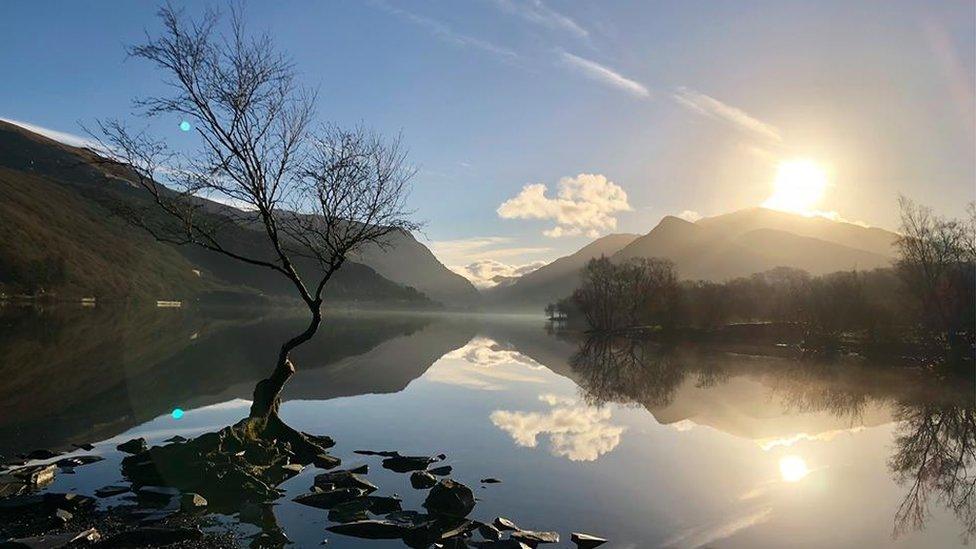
441	457
42	454
175	439
586	541
22	504
273	538
53	541
450	498
192	502
62	517
405	464
381	505
369	529
372	453
422	480
151	536
329	499
111	490
85	446
361	470
251	513
452	543
70	501
325	461
503	523
533	538
441	471
344	479
489	532
134	446
26	479
490	480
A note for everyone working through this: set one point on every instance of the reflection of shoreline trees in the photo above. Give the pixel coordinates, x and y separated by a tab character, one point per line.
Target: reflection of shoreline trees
934	448
924	304
935	456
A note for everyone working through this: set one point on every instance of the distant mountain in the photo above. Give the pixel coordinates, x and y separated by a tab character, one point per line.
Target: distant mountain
555	280
57	233
716	248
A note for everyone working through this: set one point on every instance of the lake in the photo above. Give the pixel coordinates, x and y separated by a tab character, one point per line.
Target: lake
648	446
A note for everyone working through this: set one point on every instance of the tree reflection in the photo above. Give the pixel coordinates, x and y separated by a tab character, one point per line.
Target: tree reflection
934	447
626	371
935	456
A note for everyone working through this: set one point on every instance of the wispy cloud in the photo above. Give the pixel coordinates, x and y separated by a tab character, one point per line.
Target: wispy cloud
605	75
536	12
704	536
62	137
446	33
707	105
690	215
585	204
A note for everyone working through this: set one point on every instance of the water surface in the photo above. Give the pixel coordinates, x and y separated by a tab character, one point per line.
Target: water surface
647	445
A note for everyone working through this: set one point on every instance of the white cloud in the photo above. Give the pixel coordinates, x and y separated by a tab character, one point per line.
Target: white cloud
575	430
485	364
59	136
486	273
537	12
690	215
604	74
488	353
711	107
445	33
584	204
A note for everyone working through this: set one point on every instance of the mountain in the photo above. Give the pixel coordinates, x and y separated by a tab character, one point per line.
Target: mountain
716	248
555	280
406	261
57	232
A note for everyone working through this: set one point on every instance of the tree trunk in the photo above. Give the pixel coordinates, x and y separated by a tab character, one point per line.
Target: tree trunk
267	392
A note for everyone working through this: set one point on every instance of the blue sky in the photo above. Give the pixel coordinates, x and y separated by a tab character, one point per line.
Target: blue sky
667	107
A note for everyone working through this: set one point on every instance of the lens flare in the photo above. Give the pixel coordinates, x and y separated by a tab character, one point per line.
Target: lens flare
177	413
185	126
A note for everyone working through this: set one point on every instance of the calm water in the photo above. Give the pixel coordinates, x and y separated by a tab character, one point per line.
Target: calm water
646	446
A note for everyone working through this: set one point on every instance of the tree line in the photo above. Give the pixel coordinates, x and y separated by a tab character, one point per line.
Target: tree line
925	300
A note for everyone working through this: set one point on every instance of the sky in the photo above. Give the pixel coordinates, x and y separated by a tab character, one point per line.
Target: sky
539	125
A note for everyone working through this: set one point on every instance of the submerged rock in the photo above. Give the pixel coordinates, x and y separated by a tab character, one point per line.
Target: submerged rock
586	541
441	471
451	498
422	480
385	453
133	446
329	499
405	464
490	480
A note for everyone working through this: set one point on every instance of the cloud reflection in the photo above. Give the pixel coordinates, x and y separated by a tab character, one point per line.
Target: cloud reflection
575	430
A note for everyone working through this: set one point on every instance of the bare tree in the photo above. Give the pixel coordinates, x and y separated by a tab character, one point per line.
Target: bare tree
316	195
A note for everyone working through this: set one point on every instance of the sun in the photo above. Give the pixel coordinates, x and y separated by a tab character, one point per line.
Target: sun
793	468
798	188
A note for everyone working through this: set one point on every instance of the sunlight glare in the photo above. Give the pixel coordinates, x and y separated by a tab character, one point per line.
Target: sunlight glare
793	468
798	188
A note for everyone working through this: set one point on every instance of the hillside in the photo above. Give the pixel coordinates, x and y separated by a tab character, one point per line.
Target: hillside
57	233
555	280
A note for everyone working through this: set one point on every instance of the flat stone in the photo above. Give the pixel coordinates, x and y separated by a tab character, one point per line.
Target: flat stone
405	464
78	461
134	446
345	479
175	438
111	490
489	532
329	499
422	480
385	453
326	461
586	541
451	498
381	505
531	537
490	480
361	470
369	529
441	471
503	523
